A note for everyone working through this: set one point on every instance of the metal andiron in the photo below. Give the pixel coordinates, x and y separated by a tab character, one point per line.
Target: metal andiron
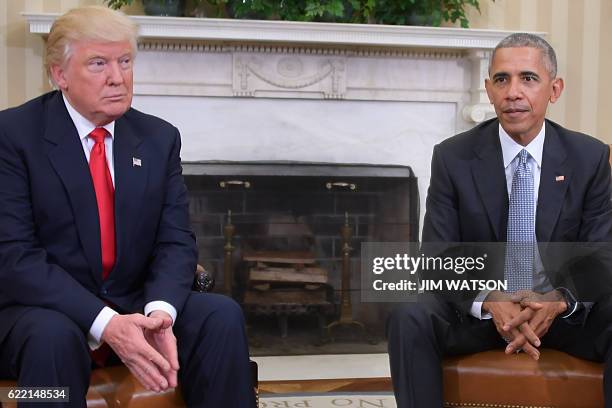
228	249
346	310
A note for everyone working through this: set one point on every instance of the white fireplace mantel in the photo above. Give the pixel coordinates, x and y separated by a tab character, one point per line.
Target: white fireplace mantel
215	29
175	34
242	90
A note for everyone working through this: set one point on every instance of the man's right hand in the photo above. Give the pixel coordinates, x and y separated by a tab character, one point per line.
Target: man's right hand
125	335
503	310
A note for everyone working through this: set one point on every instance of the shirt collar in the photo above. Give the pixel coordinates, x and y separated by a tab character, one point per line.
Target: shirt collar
510	149
84	126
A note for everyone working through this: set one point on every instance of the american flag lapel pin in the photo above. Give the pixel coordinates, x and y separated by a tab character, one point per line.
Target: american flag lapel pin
136	162
560	178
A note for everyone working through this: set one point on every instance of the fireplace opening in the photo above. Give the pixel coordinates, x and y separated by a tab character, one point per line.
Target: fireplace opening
283	239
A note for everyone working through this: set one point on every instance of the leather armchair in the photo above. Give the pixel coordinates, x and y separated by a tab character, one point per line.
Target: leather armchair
494	379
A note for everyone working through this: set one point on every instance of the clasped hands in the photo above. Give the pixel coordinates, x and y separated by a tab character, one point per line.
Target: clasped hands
524	317
147	346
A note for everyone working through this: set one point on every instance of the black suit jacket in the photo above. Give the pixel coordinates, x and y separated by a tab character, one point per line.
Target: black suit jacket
467	200
49	231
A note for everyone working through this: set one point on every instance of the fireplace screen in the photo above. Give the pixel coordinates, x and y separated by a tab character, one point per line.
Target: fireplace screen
283	239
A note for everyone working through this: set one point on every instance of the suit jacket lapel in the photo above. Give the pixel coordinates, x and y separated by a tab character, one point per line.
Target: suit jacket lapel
65	153
130	183
490	179
552	191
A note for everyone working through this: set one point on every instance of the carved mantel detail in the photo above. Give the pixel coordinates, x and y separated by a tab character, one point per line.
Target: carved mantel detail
479	109
278	74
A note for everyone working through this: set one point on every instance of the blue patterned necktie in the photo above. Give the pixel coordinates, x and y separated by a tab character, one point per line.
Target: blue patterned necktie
520	237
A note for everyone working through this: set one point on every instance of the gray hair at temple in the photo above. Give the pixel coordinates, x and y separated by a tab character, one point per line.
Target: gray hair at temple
533	41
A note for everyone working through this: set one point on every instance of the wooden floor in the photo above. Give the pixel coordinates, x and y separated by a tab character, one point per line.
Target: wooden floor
335	385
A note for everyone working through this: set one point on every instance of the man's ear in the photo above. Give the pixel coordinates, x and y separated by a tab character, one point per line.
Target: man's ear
557	89
58	74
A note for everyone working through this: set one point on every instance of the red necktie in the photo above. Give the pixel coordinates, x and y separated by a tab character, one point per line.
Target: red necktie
105	196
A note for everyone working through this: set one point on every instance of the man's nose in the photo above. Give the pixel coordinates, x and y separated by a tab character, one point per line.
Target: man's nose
515	90
115	76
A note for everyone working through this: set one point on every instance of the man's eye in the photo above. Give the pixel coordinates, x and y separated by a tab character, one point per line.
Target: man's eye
500	80
529	78
126	62
96	65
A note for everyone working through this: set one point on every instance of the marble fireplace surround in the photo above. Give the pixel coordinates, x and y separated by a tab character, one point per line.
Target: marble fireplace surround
241	90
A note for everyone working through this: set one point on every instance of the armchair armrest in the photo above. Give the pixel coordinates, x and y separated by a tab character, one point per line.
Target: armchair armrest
203	280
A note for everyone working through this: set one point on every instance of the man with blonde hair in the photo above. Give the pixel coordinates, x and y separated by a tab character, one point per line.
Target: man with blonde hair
96	251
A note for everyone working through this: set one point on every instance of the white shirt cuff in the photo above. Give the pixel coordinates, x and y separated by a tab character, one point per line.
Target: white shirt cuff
94	338
160	305
476	309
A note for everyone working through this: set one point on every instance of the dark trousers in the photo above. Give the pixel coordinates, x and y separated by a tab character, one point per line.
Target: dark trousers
45	348
421	334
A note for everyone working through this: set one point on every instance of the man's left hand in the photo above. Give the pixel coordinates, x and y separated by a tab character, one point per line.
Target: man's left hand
164	341
553	304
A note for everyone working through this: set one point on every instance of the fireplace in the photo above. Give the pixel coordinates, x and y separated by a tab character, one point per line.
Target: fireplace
271	212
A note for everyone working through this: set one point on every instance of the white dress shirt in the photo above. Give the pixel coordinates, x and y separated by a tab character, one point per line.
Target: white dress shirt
84	127
510	151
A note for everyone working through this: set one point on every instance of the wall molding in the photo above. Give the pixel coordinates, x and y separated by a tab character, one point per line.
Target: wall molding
174	45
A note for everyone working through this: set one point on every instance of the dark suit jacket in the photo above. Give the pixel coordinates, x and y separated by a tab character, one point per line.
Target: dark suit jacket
49	232
467	199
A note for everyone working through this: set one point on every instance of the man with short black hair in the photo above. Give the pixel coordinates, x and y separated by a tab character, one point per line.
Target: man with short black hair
525	181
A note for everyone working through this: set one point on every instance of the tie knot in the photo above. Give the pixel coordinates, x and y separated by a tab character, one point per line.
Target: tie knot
523	156
98	134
